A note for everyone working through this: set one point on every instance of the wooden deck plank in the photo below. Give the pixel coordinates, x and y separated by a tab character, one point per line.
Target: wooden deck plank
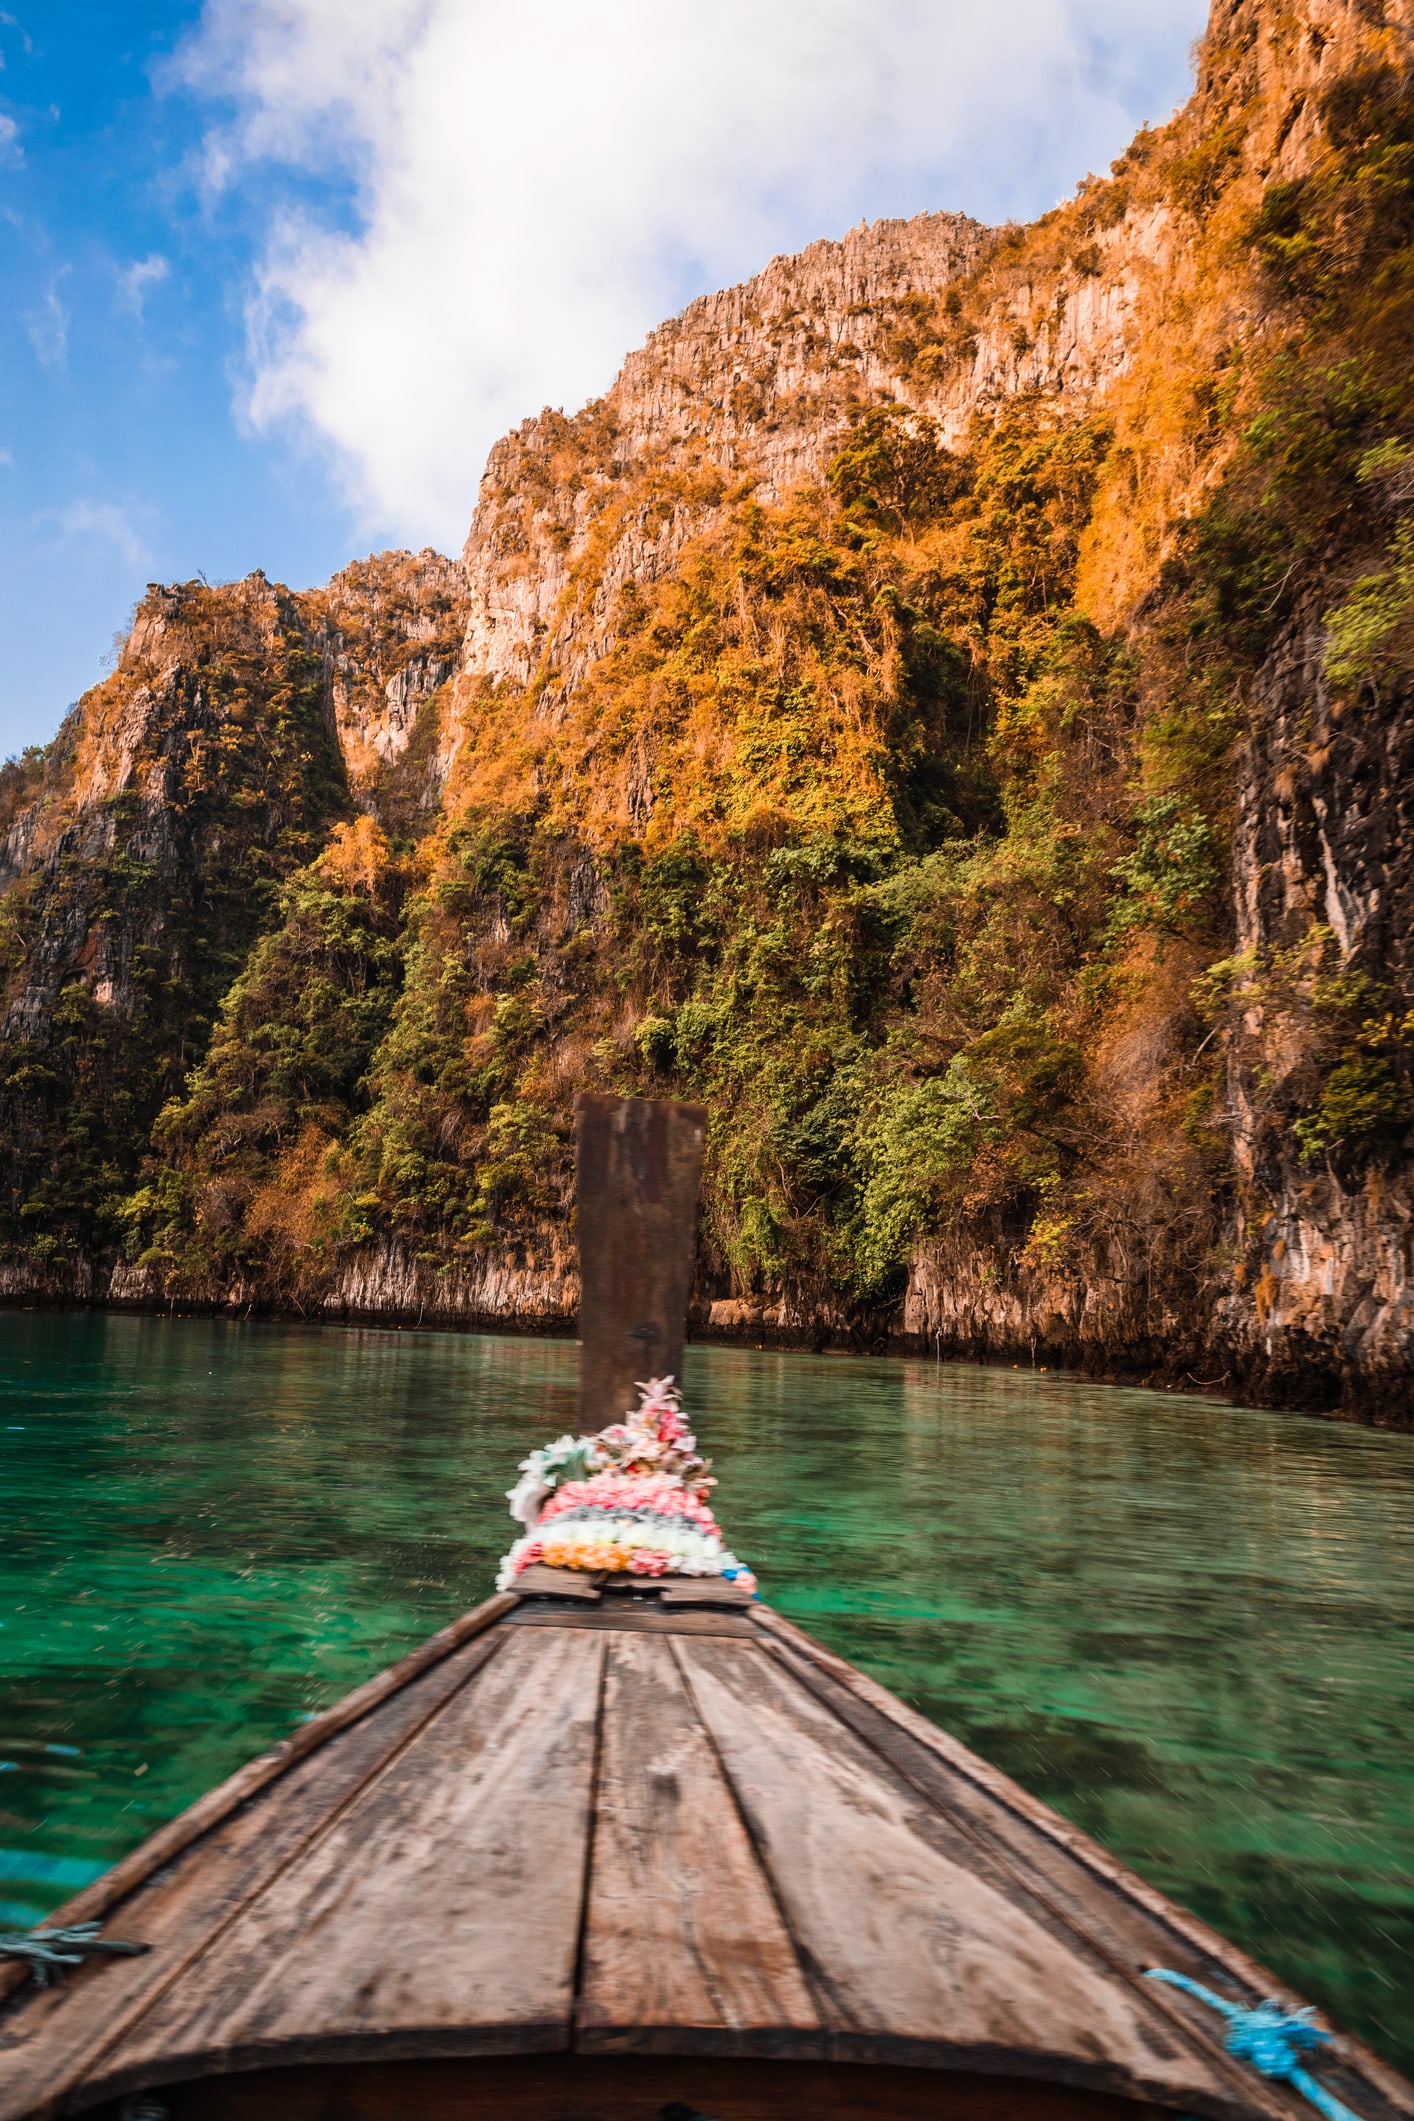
939	1913
920	1955
616	1616
682	1936
1039	1836
1097	1901
1131	1920
540	1581
440	1914
95	1901
51	2039
705	1591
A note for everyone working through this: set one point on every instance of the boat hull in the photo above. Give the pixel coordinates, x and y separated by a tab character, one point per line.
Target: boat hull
578	2088
614	1850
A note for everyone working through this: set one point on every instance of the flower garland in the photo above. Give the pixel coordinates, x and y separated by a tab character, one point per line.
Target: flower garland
631	1499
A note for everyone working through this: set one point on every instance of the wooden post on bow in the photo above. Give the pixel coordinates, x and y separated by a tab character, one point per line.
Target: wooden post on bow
638	1173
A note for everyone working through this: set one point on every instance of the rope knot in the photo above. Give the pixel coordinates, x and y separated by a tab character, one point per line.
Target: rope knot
47	1952
1270	2038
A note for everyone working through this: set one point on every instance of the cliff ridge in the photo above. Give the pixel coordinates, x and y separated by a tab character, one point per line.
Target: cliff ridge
947	706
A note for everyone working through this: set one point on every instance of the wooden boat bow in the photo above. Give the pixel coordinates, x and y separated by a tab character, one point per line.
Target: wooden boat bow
635	1849
627	1853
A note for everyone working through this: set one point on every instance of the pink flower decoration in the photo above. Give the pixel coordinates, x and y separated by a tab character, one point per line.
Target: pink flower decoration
650	1475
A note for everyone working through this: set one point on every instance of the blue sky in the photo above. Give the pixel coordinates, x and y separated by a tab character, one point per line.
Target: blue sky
119	331
276	272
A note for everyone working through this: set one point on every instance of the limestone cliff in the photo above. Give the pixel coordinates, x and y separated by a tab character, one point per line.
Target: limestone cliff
947	705
145	852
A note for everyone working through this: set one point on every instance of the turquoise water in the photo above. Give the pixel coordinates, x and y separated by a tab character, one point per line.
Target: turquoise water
1186	1626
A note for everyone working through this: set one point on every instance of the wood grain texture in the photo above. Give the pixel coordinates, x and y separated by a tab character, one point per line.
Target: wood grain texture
638	1164
1008	1800
705	1590
785	1860
541	1581
919	1954
52	2039
440	1913
613	2088
105	1893
683	1944
1008	1847
1117	1907
626	1619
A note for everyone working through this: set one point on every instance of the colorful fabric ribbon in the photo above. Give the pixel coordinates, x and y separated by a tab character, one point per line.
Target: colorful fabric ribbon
632	1499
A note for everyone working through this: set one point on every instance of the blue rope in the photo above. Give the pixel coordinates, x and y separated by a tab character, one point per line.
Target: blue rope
47	1952
1268	2037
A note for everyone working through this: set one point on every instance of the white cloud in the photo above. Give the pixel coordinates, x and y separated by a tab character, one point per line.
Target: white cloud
535	186
101	519
47	326
10	148
135	279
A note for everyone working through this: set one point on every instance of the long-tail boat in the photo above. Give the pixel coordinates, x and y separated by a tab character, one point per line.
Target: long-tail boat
616	1845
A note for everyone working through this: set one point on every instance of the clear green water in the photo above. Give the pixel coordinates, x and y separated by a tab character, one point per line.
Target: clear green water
1187	1627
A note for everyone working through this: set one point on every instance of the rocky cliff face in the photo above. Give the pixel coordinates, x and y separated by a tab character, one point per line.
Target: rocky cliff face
759	383
391	630
1323	890
147	852
754	386
753	390
947	705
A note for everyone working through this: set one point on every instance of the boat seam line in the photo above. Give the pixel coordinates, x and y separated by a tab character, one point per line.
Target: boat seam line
591	1835
803	1959
1194	2034
487	1647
